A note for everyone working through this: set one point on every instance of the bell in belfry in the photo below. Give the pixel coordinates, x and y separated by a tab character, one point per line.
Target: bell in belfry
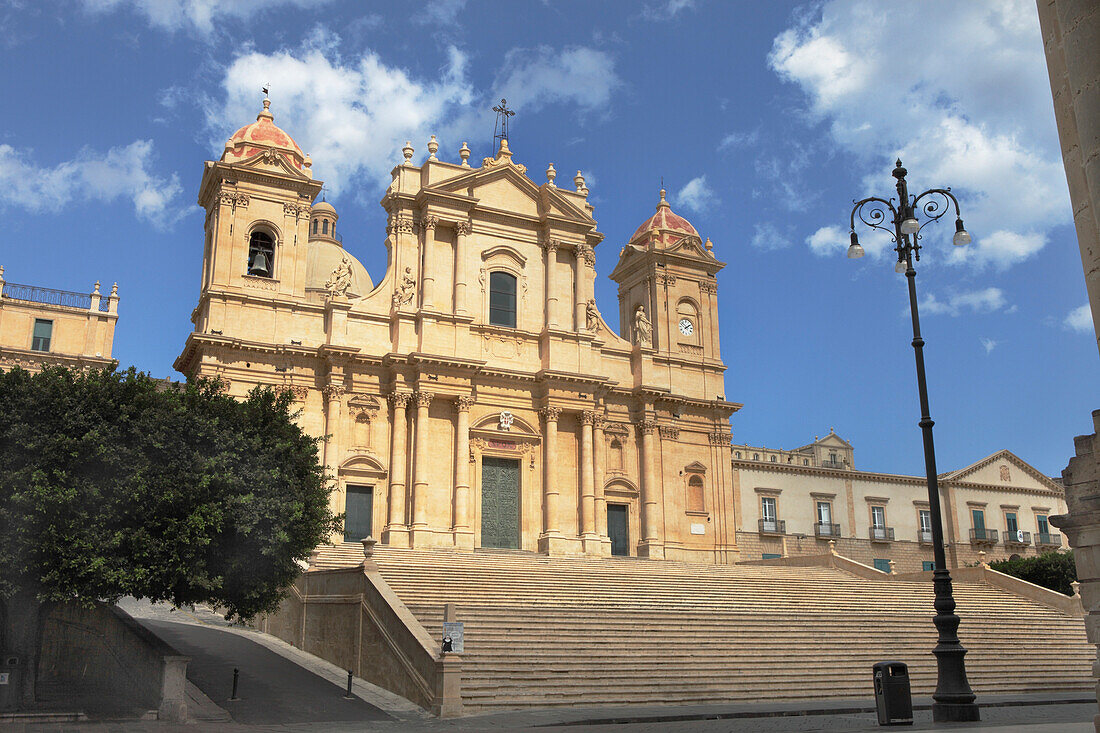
259	265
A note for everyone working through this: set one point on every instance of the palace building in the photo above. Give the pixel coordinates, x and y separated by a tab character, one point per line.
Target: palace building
475	396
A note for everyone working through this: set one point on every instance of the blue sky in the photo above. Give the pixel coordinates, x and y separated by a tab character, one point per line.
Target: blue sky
765	121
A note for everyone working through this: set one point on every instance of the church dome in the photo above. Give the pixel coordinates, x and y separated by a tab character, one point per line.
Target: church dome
263	134
671	227
322	257
324	207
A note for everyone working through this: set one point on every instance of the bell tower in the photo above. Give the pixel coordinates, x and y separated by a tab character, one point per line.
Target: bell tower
671	274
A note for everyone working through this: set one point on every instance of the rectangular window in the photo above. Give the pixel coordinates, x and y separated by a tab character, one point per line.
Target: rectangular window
771	556
502	299
824	512
979	518
927	565
43	332
1044	525
878	517
1010	522
882	565
768	514
925	517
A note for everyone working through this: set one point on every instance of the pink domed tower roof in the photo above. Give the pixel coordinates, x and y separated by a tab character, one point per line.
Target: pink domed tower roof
670	227
261	135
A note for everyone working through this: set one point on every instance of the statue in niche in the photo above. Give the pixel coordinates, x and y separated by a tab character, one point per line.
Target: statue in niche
592	316
406	290
643	328
340	281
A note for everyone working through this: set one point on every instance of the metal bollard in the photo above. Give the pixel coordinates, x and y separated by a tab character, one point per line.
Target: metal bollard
348	695
236	677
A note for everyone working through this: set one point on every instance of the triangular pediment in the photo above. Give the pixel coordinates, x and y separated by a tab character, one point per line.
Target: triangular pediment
1003	468
271	161
689	246
833	440
506	187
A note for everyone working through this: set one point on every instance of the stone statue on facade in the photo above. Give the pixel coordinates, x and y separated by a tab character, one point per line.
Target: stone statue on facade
592	316
340	281
406	290
643	328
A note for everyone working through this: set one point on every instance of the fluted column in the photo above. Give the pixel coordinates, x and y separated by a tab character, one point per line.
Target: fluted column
396	531
551	247
651	544
420	462
462	230
462	470
588	495
550	466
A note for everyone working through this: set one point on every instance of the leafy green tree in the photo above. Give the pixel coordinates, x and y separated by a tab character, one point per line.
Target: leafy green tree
1054	570
114	484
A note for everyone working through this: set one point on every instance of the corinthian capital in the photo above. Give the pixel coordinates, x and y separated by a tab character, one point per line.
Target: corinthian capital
589	417
423	399
550	414
463	404
429	222
400	399
646	427
463	228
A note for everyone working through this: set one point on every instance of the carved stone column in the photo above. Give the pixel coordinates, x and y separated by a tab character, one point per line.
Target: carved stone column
420	471
464	536
396	533
551	247
427	274
462	230
599	458
578	288
550	531
591	540
651	545
586	272
332	394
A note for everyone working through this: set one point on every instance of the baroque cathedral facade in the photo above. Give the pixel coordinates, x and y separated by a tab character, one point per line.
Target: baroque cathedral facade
475	396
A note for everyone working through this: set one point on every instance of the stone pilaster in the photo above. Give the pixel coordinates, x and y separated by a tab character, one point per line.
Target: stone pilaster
427	275
462	231
329	457
464	535
396	533
551	249
590	539
550	540
599	459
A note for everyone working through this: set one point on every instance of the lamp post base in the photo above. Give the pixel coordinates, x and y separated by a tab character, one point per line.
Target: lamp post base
951	712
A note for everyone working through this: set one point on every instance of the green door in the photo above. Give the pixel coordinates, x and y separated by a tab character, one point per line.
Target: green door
617	529
500	503
359	507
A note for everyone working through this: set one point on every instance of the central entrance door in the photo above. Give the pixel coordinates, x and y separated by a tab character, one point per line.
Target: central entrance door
359	507
617	529
500	503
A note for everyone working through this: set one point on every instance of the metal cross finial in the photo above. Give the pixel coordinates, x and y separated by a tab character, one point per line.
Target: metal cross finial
500	127
266	87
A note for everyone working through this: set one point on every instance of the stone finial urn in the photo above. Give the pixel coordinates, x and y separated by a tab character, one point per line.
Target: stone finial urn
368	547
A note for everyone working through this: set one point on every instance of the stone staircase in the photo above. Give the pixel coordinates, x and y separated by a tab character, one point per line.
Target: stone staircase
543	631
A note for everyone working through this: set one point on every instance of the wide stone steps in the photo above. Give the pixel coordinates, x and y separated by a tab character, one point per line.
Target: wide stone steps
545	631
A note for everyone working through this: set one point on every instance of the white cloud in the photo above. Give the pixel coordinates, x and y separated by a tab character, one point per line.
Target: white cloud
766	236
121	173
666	9
976	301
540	76
967	105
1079	319
988	344
353	114
197	15
696	195
740	140
439	12
831	241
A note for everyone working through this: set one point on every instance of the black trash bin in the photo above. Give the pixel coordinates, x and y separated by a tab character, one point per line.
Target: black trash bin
893	698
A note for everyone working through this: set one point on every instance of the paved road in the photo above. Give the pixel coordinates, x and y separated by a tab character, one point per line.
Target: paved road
272	690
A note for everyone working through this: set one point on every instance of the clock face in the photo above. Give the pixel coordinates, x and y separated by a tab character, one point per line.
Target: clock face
686	327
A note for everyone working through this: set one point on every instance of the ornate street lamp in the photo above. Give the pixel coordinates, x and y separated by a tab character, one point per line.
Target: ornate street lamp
953	699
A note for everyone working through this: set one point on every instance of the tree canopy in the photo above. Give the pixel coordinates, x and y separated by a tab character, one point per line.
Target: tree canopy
1054	570
113	484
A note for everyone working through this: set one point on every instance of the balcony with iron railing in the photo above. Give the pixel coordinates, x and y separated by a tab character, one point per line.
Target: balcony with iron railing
983	536
1047	539
1017	537
825	530
881	534
773	526
924	536
49	296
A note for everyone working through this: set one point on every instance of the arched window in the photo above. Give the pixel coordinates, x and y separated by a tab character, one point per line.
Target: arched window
324	226
616	457
502	299
261	254
314	226
738	454
773	459
695	501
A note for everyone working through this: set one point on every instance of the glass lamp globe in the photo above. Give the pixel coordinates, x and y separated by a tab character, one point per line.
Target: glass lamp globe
909	226
901	266
962	237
